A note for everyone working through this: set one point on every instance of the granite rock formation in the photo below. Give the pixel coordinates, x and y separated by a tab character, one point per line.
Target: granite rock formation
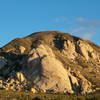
50	62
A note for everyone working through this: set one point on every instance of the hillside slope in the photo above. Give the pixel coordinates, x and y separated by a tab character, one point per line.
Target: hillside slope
50	61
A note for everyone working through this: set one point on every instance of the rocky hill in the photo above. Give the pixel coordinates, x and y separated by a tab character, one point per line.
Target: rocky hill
50	62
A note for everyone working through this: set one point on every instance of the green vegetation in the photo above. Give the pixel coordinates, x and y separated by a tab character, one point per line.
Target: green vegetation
10	95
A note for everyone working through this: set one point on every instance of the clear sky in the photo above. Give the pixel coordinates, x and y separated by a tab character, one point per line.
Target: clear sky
20	18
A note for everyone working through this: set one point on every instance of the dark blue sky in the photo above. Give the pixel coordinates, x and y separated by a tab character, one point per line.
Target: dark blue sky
20	18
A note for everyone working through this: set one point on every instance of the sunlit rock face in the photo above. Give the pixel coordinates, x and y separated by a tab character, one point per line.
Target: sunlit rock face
50	71
50	62
22	49
87	51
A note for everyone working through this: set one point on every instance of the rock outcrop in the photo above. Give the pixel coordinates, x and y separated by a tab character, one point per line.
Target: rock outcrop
50	62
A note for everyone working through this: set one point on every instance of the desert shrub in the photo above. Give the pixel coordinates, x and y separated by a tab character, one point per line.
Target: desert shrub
36	98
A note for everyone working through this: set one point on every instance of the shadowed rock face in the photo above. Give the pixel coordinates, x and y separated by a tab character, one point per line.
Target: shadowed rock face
50	61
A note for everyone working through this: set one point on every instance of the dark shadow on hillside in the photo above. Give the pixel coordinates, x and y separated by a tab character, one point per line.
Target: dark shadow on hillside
59	42
13	63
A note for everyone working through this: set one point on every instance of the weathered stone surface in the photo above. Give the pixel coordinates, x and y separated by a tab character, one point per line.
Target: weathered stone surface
50	74
69	49
22	49
53	75
20	76
33	90
74	83
84	83
86	50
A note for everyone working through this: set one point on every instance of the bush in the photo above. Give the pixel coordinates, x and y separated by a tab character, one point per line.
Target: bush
36	98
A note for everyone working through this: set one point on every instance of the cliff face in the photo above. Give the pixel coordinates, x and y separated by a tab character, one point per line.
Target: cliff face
50	61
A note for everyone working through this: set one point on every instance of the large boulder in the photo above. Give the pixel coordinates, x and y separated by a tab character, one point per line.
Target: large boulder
85	85
20	76
48	73
86	50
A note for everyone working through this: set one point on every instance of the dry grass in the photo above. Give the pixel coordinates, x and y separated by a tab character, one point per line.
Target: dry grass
10	95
